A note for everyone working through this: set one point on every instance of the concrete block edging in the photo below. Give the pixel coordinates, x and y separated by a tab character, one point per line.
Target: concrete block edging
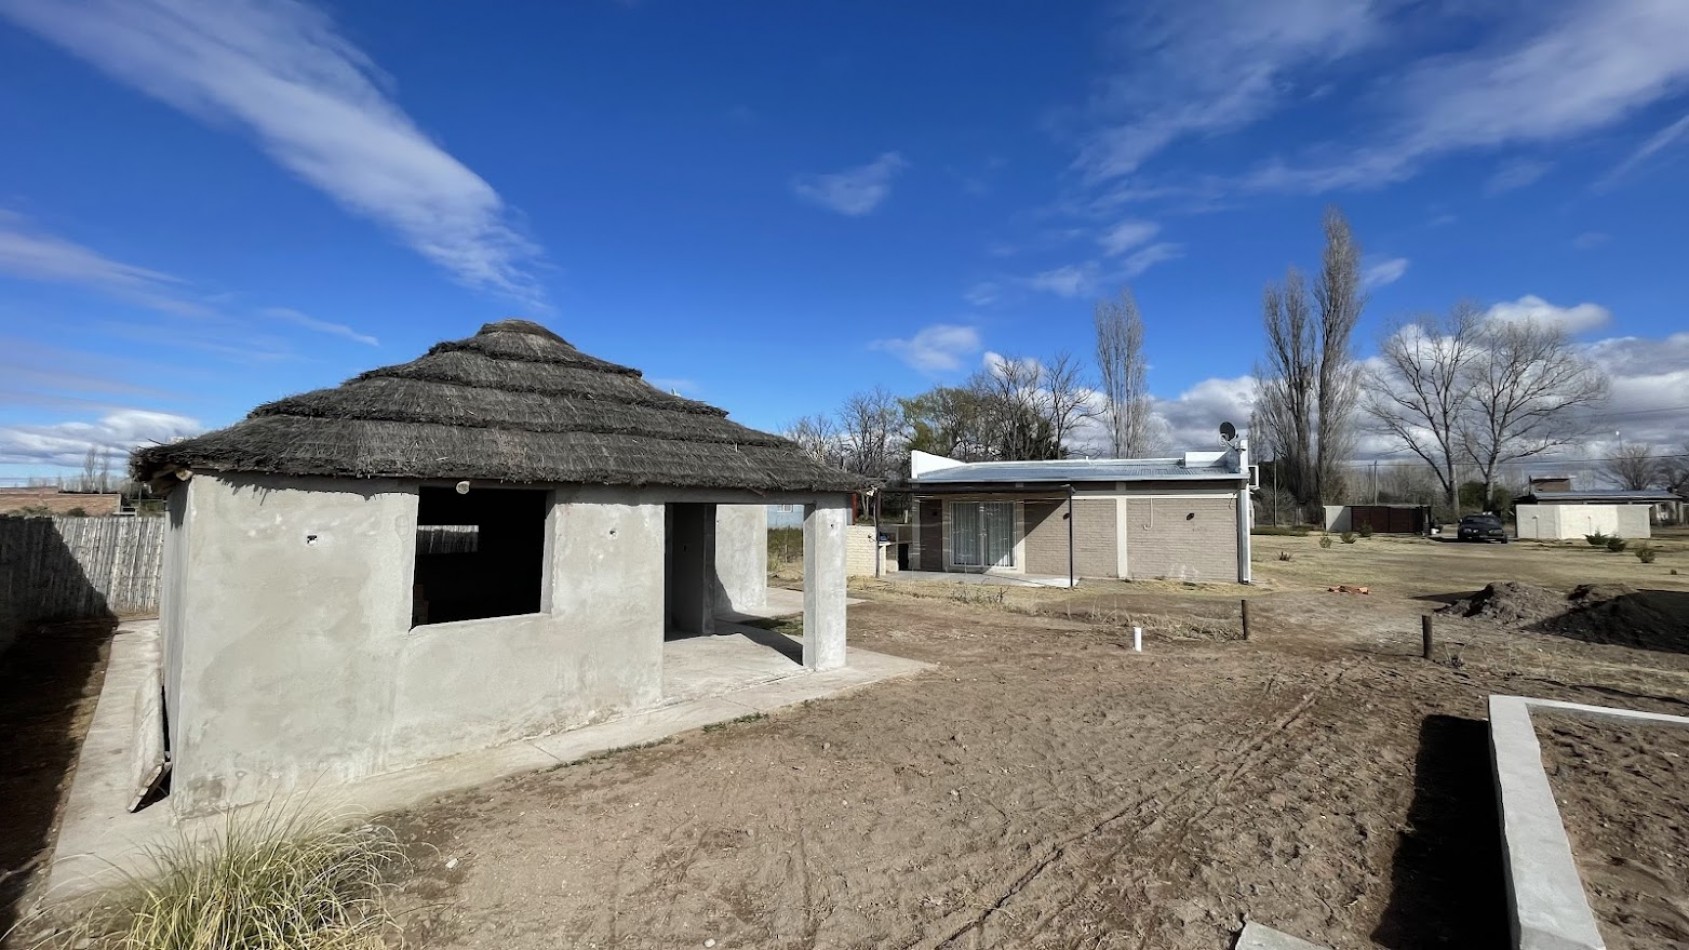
1547	906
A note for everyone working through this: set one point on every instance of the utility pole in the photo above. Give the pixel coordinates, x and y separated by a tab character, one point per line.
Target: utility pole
1375	481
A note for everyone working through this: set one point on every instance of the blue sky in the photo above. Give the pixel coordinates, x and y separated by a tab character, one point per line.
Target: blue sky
206	205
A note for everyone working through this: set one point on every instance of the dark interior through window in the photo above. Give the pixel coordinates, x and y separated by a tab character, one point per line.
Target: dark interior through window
480	554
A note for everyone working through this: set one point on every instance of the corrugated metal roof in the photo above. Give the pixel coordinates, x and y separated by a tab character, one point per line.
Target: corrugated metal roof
1597	496
1076	470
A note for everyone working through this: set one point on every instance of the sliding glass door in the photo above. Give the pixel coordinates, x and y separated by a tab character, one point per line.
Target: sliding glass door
982	534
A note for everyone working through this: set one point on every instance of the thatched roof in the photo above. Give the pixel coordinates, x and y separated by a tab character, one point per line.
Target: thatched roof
513	403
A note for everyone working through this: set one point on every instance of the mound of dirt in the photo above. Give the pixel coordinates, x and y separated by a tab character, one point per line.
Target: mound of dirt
1594	613
1510	603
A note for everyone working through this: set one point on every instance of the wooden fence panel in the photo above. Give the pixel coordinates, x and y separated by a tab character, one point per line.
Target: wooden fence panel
65	568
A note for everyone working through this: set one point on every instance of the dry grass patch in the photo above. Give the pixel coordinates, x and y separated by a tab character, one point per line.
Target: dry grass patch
280	880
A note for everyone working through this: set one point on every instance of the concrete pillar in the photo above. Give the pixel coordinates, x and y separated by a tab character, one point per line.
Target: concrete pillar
824	585
1245	515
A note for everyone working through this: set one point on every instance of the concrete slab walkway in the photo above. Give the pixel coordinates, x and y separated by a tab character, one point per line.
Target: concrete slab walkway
777	602
717	679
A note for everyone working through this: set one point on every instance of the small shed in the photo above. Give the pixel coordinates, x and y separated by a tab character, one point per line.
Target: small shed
490	542
1566	515
1186	517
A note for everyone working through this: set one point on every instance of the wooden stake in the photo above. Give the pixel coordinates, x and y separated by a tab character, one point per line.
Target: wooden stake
1245	605
1425	632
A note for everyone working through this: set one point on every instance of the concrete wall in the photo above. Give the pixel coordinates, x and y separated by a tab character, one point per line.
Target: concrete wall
1634	521
1188	538
292	662
1337	518
1572	522
741	555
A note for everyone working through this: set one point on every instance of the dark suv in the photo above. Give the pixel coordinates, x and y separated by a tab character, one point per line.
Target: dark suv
1482	528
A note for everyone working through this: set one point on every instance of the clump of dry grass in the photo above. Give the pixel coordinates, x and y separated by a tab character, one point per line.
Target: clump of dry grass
278	880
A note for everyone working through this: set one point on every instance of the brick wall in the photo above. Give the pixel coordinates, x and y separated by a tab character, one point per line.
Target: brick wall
1095	538
1192	539
1046	537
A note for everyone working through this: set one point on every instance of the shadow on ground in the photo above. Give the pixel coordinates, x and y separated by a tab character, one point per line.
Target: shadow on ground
1448	888
49	681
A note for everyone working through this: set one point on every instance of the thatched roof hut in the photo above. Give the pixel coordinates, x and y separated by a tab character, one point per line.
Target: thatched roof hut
514	403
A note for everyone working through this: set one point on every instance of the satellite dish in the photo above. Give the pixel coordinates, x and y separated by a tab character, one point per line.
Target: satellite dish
1228	432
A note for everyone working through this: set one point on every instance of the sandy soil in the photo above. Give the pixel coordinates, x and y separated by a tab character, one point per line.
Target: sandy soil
1043	787
1625	804
1046	787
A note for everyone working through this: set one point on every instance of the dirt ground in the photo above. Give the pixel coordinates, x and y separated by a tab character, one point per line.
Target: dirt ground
1045	786
49	683
1624	803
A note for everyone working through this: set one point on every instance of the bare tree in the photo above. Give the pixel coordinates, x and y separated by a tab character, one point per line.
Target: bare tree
1124	374
105	482
90	470
872	429
1340	298
1634	466
1527	383
1421	394
1013	417
1066	397
818	437
1674	471
1307	388
1285	397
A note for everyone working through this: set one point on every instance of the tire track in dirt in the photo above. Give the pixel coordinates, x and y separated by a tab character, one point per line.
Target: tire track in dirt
1174	833
1248	753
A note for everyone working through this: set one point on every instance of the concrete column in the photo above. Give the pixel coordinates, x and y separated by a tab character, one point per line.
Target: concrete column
824	585
1245	515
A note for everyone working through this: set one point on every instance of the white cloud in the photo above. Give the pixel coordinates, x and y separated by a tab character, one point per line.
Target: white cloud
67	443
1072	280
1085	278
1589	240
1127	235
315	103
1516	174
984	293
31	255
1192	419
1580	68
1551	73
1660	140
941	347
1573	319
1200	69
854	191
1143	259
1649	378
1384	272
321	326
